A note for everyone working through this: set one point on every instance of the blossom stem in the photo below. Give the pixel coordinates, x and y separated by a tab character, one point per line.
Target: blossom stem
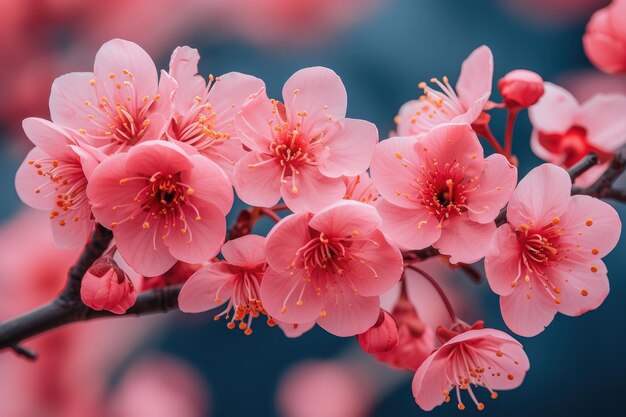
511	116
440	291
484	131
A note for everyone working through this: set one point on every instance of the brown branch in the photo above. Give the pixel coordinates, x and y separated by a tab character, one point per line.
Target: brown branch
603	187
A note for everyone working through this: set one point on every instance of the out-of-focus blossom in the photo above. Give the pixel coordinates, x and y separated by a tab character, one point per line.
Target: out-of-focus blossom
553	12
329	389
106	286
301	150
330	268
521	88
605	38
475	357
204	112
547	258
382	336
440	191
186	196
53	177
565	131
463	105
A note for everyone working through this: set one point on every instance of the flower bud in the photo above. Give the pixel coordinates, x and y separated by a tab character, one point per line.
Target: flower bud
106	286
382	336
521	88
605	38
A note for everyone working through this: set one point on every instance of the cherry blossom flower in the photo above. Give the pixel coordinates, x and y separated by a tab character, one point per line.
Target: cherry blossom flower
120	103
330	268
565	131
106	286
481	357
547	258
462	105
162	204
235	281
440	191
605	38
204	111
54	176
300	150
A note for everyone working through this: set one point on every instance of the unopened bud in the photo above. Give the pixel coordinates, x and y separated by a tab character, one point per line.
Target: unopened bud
521	88
382	336
106	286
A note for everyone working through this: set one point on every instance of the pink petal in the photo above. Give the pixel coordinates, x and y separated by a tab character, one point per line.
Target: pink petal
228	94
495	186
581	290
351	148
347	218
281	289
209	183
347	313
47	136
540	196
527	316
199	293
605	52
27	181
406	113
253	122
410	228
542	152
464	240
314	191
430	381
154	156
382	336
257	180
73	234
476	76
502	262
293	330
394	168
556	111
246	251
184	69
89	157
284	240
160	113
67	102
318	91
603	117
226	155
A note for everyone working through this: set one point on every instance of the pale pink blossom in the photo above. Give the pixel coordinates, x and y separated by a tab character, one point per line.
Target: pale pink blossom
235	281
120	103
205	111
605	38
330	268
547	258
477	357
106	286
301	150
54	176
441	191
162	204
521	88
461	105
564	131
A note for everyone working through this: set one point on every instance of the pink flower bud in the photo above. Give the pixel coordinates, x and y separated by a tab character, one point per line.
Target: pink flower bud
382	336
521	88
605	38
106	286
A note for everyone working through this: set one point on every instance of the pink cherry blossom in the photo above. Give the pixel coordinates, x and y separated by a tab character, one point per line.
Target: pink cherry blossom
361	188
205	111
106	286
330	268
462	105
605	38
162	204
547	258
301	150
235	281
53	177
440	191
120	103
480	357
565	131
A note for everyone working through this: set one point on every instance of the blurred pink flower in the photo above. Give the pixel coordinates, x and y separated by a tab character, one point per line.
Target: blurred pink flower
187	196
464	105
106	286
330	268
547	258
564	131
440	191
300	150
605	38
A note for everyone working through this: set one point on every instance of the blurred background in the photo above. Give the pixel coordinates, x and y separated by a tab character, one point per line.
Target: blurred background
190	366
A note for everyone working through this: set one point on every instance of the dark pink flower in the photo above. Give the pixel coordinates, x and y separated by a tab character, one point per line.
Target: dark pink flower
521	88
605	38
382	336
106	286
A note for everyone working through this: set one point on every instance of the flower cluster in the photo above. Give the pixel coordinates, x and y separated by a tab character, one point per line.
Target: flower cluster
155	157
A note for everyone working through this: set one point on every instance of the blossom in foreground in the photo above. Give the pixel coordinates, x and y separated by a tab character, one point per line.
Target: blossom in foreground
235	281
54	176
547	258
106	286
162	204
462	105
120	103
205	111
440	191
330	268
480	357
565	131
605	38
301	150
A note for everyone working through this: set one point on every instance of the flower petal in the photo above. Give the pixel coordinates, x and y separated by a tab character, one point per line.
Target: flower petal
410	228
285	239
346	218
603	117
209	183
257	180
143	250
556	111
503	261
527	316
464	240
199	293
246	251
495	186
280	294
347	313
314	191
476	76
